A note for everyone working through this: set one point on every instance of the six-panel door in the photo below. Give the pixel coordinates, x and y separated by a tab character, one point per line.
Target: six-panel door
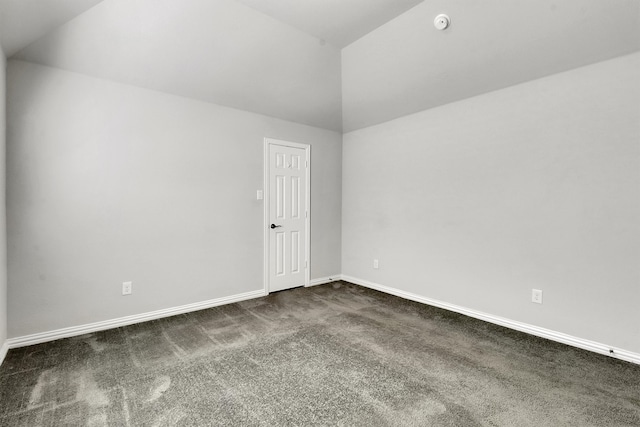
287	215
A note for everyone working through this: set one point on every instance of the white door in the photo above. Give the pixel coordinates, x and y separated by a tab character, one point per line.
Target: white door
287	199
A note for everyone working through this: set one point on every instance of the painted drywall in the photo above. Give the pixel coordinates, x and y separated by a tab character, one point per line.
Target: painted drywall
217	51
3	217
407	66
535	186
110	183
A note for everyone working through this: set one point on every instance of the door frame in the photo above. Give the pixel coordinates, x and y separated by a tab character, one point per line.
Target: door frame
268	142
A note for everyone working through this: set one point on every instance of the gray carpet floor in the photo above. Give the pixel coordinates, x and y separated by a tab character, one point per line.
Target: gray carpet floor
336	354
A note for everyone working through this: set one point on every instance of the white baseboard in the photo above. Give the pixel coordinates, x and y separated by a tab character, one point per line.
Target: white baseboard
324	280
128	320
4	348
512	324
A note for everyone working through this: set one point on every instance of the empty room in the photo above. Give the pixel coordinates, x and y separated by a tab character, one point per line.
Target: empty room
320	212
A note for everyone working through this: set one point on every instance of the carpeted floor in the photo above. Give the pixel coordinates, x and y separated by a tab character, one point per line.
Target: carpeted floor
336	354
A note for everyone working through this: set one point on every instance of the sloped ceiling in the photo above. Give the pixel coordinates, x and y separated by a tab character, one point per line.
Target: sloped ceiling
339	22
327	63
407	66
217	51
24	21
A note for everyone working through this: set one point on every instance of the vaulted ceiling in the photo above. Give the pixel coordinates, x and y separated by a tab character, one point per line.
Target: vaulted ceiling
335	64
24	21
339	22
407	65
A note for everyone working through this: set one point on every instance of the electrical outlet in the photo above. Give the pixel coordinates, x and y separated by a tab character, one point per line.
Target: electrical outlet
536	296
127	287
376	264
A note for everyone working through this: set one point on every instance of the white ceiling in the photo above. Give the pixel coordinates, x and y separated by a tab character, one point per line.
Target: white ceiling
407	66
24	21
382	58
216	51
339	22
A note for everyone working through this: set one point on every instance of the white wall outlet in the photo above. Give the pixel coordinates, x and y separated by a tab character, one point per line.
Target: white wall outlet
259	195
127	287
536	296
376	264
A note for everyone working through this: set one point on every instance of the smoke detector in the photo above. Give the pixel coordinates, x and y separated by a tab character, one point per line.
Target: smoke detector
442	22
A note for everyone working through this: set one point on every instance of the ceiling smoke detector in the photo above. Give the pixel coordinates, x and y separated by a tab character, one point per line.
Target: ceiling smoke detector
442	22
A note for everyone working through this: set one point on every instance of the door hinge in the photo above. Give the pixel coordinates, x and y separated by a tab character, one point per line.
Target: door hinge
306	264
306	214
306	163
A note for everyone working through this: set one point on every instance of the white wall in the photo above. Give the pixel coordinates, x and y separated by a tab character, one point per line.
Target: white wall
535	186
3	222
109	183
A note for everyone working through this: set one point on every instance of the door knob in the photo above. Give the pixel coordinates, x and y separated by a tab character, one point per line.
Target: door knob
275	226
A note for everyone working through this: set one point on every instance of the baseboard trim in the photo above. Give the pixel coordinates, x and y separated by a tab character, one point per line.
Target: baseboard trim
4	349
560	337
158	314
324	280
127	320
